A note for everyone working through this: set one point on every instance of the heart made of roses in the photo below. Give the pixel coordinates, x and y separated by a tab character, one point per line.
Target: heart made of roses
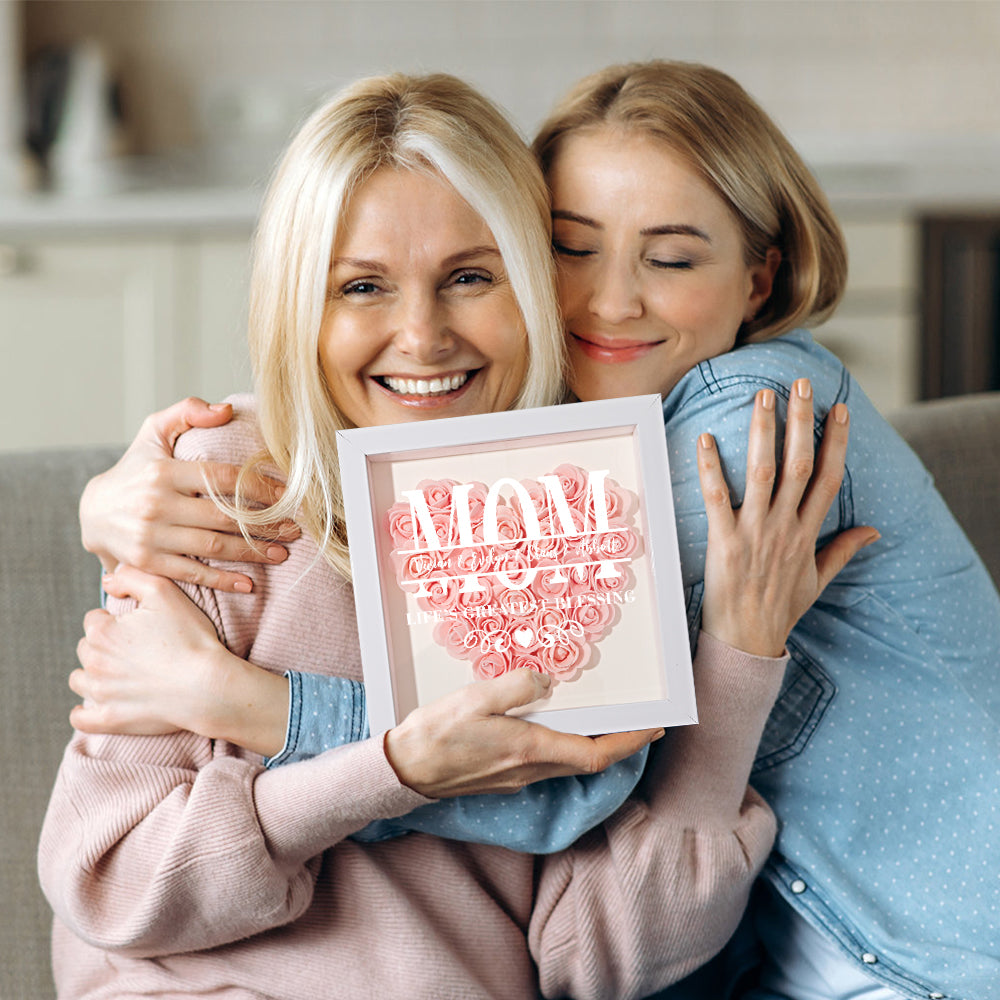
489	614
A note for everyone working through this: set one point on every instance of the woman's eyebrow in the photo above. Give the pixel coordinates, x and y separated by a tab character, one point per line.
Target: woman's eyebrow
484	250
667	229
583	220
359	263
676	230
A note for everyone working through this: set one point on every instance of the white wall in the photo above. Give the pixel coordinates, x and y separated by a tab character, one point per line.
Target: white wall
232	70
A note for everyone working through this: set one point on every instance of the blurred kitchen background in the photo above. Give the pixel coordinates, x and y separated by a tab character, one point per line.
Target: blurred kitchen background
136	137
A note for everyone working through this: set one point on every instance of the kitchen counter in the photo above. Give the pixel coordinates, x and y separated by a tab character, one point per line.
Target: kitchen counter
145	211
863	178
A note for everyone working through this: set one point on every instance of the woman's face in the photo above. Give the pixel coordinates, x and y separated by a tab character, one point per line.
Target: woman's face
652	275
421	321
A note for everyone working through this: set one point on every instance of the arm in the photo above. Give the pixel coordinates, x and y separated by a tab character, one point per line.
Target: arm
149	510
182	677
162	844
657	891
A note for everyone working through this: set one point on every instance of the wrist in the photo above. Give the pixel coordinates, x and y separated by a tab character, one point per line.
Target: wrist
250	708
753	638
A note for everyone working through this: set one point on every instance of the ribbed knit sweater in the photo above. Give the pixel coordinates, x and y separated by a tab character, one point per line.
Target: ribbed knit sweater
179	867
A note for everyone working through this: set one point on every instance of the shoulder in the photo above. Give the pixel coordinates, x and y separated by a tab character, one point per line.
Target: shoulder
236	442
772	364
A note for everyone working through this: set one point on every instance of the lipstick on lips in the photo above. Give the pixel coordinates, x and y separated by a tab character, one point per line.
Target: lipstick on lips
613	350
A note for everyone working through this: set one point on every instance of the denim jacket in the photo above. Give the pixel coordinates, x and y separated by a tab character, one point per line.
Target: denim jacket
881	757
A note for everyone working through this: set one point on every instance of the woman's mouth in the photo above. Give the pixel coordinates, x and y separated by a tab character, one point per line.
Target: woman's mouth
417	389
612	351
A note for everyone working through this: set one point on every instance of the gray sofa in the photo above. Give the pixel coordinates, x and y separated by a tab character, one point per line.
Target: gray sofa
47	582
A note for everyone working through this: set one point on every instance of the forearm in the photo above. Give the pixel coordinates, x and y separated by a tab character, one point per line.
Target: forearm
245	705
157	845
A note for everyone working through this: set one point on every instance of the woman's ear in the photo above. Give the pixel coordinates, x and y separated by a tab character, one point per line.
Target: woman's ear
761	282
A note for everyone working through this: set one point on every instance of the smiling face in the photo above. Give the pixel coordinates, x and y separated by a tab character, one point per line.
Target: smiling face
652	273
420	321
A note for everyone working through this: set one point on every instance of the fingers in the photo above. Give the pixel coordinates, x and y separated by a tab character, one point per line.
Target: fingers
829	474
617	746
761	469
193	479
833	557
714	489
513	690
169	424
798	458
145	588
222	477
199	574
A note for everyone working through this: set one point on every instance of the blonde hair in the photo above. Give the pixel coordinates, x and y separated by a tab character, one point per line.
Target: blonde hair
706	117
432	123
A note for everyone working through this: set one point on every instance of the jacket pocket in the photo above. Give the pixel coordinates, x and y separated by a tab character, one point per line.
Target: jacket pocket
805	695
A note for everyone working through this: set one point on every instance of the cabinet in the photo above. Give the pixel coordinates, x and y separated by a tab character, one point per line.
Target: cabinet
96	332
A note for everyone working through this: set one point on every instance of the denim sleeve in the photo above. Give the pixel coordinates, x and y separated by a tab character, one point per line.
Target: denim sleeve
323	712
327	712
542	818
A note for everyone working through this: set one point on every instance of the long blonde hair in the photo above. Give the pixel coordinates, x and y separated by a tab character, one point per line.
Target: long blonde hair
431	123
706	117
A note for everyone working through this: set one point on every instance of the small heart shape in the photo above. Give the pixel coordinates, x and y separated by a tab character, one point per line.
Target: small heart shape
524	636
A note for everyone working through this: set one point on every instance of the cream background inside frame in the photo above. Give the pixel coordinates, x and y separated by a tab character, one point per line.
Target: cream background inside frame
622	668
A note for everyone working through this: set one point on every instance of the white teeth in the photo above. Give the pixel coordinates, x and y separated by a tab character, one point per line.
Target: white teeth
424	387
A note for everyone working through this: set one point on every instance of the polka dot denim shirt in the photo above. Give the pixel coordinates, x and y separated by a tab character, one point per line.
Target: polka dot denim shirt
882	755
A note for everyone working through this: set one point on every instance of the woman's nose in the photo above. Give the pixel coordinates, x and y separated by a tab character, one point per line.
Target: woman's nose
614	296
423	332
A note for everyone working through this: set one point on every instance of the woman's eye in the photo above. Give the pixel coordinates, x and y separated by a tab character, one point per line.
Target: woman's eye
472	278
359	288
671	265
566	251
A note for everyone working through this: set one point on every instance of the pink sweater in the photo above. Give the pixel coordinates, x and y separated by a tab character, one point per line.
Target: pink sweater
179	867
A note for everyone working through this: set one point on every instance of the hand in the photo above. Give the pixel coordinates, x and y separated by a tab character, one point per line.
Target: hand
147	510
161	668
465	744
762	571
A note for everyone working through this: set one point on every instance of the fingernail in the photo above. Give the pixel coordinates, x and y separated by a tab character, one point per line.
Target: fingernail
767	399
658	735
705	441
106	579
804	388
873	537
840	413
276	553
243	586
218	407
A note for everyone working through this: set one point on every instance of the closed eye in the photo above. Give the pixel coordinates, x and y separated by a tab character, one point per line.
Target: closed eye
673	265
565	251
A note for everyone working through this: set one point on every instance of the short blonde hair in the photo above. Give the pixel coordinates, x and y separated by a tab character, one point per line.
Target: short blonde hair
432	123
706	117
